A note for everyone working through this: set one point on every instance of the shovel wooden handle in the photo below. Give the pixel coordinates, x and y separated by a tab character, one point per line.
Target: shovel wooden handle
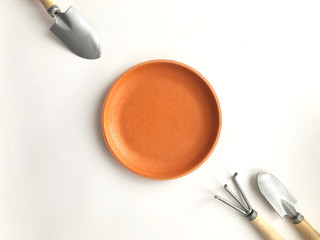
266	231
308	232
47	3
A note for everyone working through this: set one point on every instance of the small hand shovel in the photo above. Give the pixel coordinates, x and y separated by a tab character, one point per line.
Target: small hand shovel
74	31
283	202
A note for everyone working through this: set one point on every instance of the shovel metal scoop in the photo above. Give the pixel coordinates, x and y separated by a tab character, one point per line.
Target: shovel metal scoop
74	31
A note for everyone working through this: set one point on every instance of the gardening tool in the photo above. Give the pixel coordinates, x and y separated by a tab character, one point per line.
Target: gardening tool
266	231
283	202
74	31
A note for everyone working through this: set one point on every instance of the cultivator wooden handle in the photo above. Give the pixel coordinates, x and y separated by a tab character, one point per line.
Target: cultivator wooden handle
266	231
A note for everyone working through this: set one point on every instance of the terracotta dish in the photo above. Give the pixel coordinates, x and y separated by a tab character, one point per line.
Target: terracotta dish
161	119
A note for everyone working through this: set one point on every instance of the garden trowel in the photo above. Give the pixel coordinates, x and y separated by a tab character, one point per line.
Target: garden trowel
74	31
283	202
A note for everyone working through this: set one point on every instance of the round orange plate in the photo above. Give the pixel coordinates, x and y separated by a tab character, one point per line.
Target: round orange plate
161	119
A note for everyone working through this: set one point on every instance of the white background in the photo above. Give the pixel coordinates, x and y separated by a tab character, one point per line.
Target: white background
58	180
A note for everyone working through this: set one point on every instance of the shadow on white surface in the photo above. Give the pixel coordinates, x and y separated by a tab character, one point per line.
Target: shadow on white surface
40	13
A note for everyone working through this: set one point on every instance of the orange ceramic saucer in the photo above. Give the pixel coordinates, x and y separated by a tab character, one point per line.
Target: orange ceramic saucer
161	119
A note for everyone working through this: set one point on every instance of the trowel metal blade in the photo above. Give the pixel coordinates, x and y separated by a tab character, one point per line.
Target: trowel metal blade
276	194
76	33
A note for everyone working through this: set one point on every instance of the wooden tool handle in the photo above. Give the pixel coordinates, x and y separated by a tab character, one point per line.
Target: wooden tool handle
307	230
47	3
266	231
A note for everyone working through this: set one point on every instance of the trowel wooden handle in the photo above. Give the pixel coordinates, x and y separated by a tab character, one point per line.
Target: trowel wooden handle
47	3
266	231
307	230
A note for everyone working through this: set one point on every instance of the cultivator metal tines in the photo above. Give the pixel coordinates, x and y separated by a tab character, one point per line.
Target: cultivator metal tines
247	210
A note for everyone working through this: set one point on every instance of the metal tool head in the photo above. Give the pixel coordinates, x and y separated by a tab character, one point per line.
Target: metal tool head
276	194
243	202
76	33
